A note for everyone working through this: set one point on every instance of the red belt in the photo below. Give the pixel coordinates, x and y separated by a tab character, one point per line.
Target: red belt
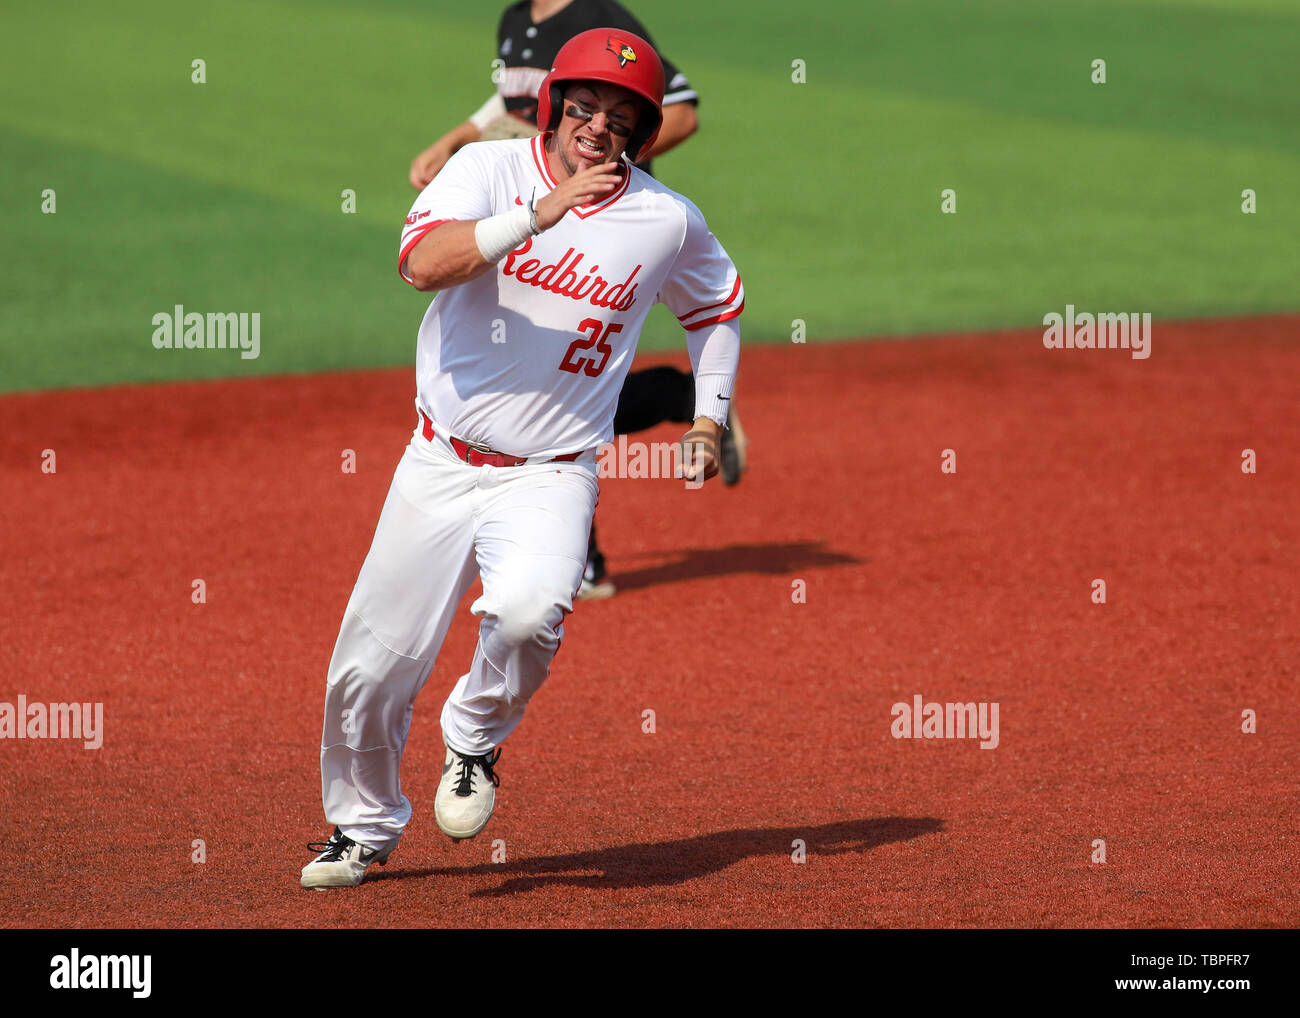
477	456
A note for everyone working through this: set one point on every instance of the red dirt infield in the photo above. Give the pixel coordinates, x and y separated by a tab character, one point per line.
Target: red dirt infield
1120	722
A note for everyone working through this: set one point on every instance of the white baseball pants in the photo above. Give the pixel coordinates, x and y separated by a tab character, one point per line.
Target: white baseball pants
524	531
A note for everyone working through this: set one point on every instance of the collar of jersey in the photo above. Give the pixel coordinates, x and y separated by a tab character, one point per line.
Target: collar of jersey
581	211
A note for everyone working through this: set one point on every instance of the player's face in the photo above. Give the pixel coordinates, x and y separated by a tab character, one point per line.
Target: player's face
597	121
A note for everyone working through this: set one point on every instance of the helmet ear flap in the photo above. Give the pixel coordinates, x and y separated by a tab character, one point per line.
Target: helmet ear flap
550	104
557	107
645	135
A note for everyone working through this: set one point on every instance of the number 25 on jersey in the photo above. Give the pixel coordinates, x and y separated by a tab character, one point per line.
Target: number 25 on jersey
590	365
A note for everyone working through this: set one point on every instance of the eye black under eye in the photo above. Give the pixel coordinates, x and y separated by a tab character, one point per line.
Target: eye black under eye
615	126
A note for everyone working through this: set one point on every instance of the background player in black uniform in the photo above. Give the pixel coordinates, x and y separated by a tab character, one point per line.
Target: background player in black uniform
529	36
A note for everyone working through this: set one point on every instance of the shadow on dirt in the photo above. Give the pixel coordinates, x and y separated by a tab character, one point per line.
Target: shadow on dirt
764	559
673	862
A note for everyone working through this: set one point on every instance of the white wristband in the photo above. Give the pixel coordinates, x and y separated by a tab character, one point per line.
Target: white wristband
497	236
488	112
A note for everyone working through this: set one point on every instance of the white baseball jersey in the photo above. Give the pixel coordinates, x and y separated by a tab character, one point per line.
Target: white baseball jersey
529	359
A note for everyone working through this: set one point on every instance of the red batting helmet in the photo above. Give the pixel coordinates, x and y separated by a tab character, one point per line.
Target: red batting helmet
615	57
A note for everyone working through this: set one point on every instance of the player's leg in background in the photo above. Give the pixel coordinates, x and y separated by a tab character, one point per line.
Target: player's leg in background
654	395
530	544
650	397
595	586
419	566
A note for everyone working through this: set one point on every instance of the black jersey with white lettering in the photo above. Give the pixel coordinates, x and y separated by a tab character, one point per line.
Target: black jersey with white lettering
528	49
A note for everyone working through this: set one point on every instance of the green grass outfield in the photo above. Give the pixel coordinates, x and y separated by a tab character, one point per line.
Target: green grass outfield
225	196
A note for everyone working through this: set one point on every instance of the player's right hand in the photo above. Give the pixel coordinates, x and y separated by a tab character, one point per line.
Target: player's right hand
583	187
700	459
426	165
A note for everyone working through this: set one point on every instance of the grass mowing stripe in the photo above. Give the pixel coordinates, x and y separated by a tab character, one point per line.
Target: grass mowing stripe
1191	73
1044	210
295	106
128	242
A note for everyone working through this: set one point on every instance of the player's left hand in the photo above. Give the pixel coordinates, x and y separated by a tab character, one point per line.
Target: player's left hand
429	163
700	451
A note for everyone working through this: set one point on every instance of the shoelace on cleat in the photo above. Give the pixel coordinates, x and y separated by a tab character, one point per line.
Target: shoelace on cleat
465	780
334	849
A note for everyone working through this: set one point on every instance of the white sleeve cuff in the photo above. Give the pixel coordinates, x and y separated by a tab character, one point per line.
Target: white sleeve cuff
713	397
489	111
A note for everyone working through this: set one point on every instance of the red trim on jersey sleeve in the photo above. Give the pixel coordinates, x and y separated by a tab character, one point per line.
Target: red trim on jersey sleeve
735	292
416	237
725	316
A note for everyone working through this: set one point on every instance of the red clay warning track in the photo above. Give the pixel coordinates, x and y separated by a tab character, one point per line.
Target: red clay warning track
1119	723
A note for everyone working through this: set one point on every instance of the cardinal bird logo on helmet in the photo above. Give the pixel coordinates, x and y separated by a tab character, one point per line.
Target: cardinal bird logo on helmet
625	53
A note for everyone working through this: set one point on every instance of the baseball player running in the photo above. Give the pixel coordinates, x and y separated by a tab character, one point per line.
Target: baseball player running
529	35
557	246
